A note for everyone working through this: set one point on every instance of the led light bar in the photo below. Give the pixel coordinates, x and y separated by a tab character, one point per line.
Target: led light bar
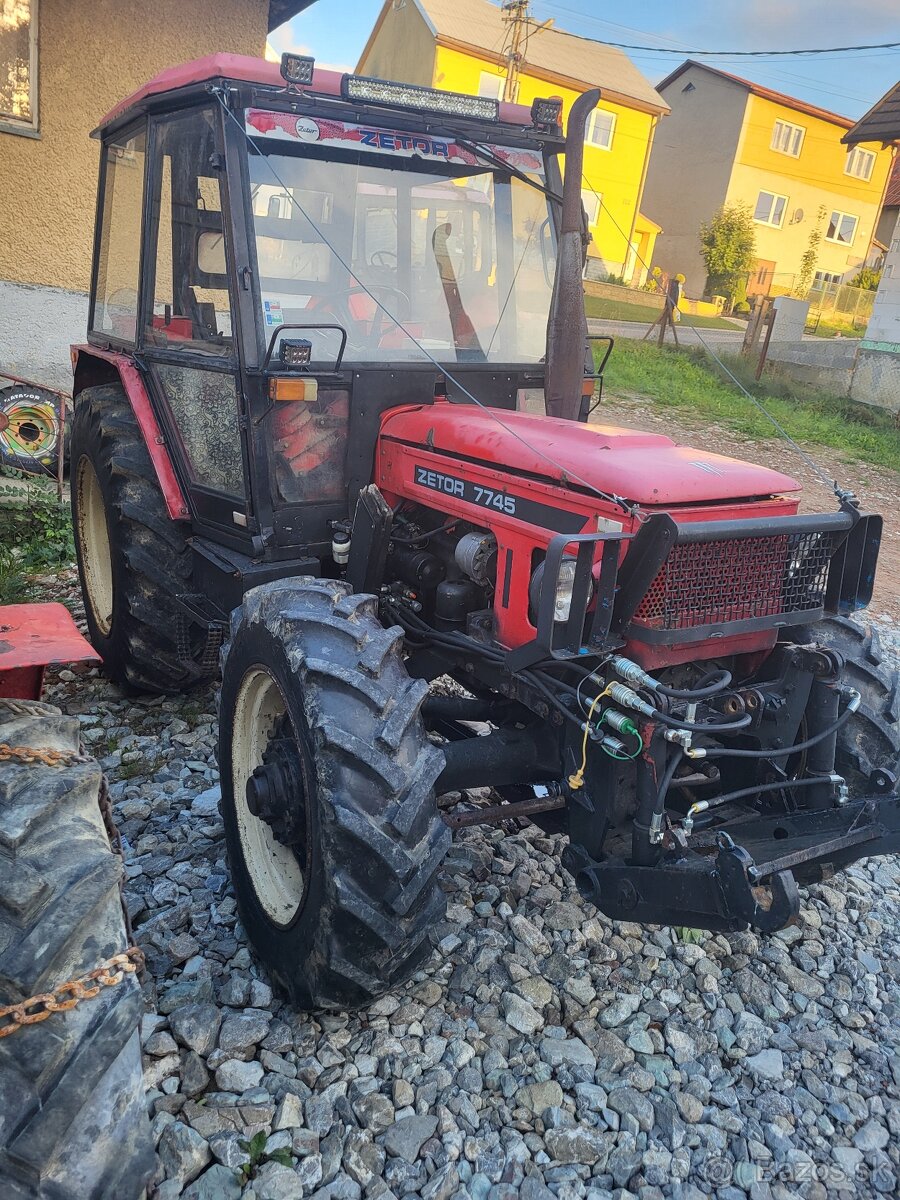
297	69
412	96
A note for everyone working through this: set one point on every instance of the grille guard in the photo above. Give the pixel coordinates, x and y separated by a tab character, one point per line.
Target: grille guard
750	876
833	557
698	595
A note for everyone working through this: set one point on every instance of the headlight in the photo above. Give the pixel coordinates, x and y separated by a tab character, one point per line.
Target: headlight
562	605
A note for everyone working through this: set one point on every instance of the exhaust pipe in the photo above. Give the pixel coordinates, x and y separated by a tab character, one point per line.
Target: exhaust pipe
567	333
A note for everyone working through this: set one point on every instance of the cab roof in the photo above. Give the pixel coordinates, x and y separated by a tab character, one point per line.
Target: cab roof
242	68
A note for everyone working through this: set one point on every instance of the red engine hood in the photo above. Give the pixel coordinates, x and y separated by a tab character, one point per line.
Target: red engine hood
648	468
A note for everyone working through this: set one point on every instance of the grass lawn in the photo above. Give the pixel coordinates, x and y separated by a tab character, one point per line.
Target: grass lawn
826	328
687	379
622	310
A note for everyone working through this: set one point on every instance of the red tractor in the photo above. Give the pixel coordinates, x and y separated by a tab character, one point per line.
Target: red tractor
331	427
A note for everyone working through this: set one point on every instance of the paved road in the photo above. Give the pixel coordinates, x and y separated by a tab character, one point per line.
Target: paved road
719	339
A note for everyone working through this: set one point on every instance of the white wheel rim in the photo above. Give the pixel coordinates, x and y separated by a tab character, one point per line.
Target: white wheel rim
93	540
274	871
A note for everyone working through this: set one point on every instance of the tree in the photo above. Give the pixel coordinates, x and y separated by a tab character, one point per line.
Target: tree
868	279
810	257
728	246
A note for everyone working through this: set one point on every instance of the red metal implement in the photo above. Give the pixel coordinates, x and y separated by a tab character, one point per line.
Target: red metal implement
32	637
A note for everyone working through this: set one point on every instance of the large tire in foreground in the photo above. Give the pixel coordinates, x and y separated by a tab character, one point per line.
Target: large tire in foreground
73	1122
336	878
870	740
133	559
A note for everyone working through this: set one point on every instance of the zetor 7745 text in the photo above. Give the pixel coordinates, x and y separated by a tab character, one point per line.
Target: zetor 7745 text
332	431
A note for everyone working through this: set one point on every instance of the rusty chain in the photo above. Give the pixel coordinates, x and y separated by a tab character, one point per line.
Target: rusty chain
49	758
67	995
113	970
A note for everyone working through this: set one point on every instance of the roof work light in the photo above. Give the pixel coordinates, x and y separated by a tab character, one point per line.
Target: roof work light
297	69
546	114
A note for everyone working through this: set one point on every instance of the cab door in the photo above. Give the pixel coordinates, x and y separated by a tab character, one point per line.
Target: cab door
188	338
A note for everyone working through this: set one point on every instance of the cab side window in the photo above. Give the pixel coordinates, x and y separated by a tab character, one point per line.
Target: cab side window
115	305
190	309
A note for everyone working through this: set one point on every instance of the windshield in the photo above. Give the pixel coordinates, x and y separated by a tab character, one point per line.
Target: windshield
458	254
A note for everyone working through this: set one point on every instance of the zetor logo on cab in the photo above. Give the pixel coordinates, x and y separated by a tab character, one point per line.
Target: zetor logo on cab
380	140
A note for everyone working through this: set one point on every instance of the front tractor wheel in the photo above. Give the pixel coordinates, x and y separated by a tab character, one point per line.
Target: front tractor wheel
133	560
333	834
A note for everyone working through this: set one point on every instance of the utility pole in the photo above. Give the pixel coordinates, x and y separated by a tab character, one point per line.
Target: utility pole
515	14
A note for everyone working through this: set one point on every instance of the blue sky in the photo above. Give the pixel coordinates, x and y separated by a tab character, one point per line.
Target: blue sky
335	31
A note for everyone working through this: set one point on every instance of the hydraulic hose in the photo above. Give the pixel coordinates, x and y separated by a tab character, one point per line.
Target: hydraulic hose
666	781
695	727
778	786
720	681
727	752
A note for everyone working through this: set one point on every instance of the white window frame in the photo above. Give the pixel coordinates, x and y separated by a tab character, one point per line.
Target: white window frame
10	124
591	127
792	136
495	91
775	196
593	203
837	241
856	155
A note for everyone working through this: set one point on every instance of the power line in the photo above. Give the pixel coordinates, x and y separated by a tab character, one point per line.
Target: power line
751	53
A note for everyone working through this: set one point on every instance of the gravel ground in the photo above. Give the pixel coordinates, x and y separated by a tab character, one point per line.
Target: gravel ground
545	1051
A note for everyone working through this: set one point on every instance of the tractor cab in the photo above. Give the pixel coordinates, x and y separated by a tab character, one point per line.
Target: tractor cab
313	255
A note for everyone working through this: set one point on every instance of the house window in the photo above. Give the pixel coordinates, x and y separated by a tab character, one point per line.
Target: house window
600	129
770	209
591	202
822	277
18	66
860	163
787	138
490	85
842	228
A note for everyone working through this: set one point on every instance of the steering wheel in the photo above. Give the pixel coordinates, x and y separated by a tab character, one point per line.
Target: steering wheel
338	304
383	258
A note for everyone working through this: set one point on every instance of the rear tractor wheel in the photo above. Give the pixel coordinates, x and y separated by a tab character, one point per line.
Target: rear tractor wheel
332	828
73	1120
133	559
868	745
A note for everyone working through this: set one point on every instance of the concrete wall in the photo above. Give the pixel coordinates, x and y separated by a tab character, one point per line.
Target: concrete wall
37	326
92	53
690	168
877	376
615	291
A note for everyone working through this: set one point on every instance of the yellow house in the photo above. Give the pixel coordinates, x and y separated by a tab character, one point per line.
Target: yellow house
729	141
467	45
63	64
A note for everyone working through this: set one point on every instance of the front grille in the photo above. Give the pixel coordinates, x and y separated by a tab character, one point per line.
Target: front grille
738	579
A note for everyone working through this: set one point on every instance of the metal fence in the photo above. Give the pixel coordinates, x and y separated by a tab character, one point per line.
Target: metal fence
840	303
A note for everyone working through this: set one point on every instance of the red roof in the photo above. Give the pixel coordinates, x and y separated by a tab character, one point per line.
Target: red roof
244	69
811	110
892	193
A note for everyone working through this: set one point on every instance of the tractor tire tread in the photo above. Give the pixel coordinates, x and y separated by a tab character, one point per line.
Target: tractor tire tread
73	1121
155	566
381	881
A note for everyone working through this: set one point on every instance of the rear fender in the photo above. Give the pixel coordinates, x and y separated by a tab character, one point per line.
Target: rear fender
92	367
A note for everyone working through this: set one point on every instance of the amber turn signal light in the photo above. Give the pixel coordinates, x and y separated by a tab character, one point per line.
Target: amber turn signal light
293	388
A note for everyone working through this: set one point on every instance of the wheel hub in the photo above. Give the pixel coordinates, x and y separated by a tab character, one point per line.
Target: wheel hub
275	791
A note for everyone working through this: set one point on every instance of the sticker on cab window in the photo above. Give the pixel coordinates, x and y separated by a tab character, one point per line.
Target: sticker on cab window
272	309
